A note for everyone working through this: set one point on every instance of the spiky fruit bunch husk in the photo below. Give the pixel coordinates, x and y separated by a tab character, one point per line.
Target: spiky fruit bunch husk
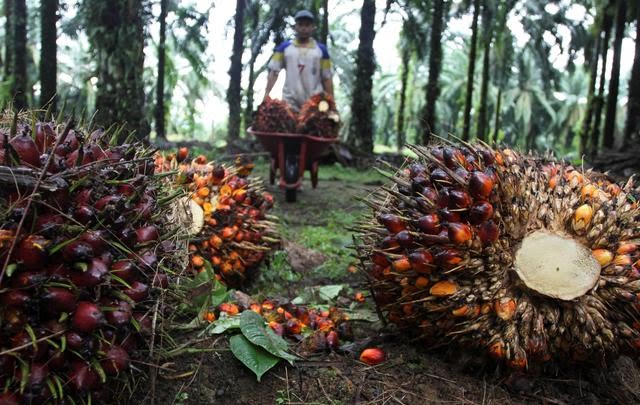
83	242
236	234
314	330
318	117
274	116
448	255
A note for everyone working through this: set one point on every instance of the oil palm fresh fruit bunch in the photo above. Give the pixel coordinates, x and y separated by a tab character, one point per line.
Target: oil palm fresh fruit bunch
274	116
233	232
524	258
82	236
319	117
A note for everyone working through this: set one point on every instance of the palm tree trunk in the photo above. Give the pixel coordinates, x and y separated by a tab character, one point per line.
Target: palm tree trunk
160	111
614	82
400	134
19	85
8	40
472	64
481	129
361	131
120	97
586	121
324	30
235	73
632	126
48	52
595	130
248	110
496	123
435	64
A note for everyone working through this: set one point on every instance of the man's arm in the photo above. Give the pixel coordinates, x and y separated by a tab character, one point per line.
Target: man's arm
271	81
327	84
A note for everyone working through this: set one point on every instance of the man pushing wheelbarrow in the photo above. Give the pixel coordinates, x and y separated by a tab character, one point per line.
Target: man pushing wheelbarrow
296	143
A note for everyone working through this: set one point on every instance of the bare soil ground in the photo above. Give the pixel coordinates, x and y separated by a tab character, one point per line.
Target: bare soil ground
412	374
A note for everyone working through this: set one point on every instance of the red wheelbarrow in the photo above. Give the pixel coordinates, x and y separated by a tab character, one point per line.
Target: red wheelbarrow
291	155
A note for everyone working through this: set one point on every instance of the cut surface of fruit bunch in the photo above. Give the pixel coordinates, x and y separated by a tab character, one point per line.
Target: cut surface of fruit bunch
233	232
80	248
274	116
318	116
523	258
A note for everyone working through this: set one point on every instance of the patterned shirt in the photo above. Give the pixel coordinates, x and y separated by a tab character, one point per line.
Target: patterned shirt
307	65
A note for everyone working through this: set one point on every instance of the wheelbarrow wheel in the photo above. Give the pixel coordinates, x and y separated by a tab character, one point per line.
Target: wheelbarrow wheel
290	195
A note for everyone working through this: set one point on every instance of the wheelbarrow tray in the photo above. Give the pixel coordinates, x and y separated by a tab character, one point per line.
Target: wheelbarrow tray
311	148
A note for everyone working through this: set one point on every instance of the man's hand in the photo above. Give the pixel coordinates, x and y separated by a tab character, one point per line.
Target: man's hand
271	81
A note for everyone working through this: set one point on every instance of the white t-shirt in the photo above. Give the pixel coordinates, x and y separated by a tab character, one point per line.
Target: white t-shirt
307	65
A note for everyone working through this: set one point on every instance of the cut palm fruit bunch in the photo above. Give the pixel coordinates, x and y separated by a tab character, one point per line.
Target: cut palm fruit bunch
274	116
229	209
314	330
525	258
319	117
80	250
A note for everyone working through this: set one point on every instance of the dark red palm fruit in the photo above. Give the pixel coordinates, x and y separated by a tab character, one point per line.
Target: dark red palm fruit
278	328
83	197
417	169
429	224
108	202
392	222
92	153
120	313
82	377
148	259
182	154
24	279
453	157
97	240
75	341
115	360
480	211
480	185
440	176
49	224
405	239
83	214
448	258
138	291
94	274
37	376
45	136
26	149
488	232
69	145
147	234
459	199
487	157
462	173
13	319
10	398
87	317
438	153
390	243
125	270
421	261
144	207
126	190
56	359
429	193
58	272
16	298
161	280
57	299
459	233
380	259
419	182
32	252
7	364
442	200
145	321
450	216
32	350
77	251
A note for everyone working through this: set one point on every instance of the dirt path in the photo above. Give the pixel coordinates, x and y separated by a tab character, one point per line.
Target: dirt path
316	244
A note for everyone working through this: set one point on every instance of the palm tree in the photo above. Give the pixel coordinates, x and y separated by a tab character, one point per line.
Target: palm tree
361	132
594	137
612	98
159	109
235	73
487	31
19	57
435	65
631	127
8	40
470	72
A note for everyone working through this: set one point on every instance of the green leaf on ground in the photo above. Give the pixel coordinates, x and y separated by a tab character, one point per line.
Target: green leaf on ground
255	358
222	325
254	329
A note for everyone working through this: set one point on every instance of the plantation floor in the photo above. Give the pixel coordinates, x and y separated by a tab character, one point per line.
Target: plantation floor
315	253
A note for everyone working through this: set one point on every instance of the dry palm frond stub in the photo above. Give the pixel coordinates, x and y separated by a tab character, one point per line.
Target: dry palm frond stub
82	262
525	258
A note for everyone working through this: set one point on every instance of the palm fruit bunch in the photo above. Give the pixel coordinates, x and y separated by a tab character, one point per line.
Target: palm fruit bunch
82	236
313	329
274	116
234	233
526	259
318	117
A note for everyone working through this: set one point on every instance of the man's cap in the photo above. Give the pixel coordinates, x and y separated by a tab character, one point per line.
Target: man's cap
304	14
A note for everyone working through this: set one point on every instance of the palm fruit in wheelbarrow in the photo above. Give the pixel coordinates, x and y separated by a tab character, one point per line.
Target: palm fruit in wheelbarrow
274	116
318	117
82	236
233	233
526	259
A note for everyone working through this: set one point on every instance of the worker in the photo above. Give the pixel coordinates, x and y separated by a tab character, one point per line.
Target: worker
306	62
